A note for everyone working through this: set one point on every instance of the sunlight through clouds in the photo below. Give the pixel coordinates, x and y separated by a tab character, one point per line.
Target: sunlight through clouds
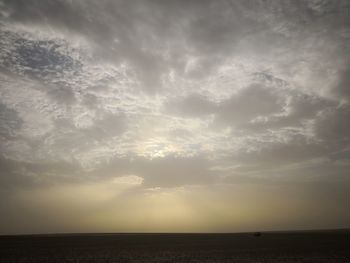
173	115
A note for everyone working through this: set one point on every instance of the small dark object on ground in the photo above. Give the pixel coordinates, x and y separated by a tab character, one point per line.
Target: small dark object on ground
257	234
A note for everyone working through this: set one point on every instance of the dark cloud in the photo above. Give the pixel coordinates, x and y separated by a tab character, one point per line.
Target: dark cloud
108	126
194	105
20	174
282	153
10	122
36	58
298	110
248	104
343	88
264	100
61	94
333	126
239	111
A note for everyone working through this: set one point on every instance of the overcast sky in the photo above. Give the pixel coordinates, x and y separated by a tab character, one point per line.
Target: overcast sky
174	116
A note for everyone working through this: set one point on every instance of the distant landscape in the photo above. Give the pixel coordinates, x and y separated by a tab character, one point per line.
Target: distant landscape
303	246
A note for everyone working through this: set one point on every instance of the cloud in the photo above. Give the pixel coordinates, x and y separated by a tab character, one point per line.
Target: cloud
342	89
169	171
93	77
178	93
332	126
10	122
194	105
26	175
248	104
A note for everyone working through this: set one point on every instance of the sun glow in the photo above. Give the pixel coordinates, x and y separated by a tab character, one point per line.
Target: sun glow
157	147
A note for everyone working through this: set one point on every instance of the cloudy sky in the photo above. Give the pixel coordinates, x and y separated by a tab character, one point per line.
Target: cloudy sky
174	116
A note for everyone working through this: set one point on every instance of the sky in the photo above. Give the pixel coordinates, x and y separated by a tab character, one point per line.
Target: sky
174	116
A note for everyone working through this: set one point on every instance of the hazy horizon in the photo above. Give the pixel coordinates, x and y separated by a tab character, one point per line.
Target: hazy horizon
174	116
251	232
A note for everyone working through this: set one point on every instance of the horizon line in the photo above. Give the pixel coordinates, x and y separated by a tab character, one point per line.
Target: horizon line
177	233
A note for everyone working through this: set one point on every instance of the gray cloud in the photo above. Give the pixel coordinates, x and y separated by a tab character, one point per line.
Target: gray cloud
248	104
333	127
343	87
194	105
10	122
24	175
169	171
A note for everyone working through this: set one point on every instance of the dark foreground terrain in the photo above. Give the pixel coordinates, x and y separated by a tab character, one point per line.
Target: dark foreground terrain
326	246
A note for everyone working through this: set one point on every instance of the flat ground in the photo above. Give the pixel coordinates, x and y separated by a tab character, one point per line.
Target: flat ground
314	246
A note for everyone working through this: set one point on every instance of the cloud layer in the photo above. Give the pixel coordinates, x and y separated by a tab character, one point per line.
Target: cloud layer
182	94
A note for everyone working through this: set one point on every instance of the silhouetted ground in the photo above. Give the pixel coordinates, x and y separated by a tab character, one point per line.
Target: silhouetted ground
326	246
